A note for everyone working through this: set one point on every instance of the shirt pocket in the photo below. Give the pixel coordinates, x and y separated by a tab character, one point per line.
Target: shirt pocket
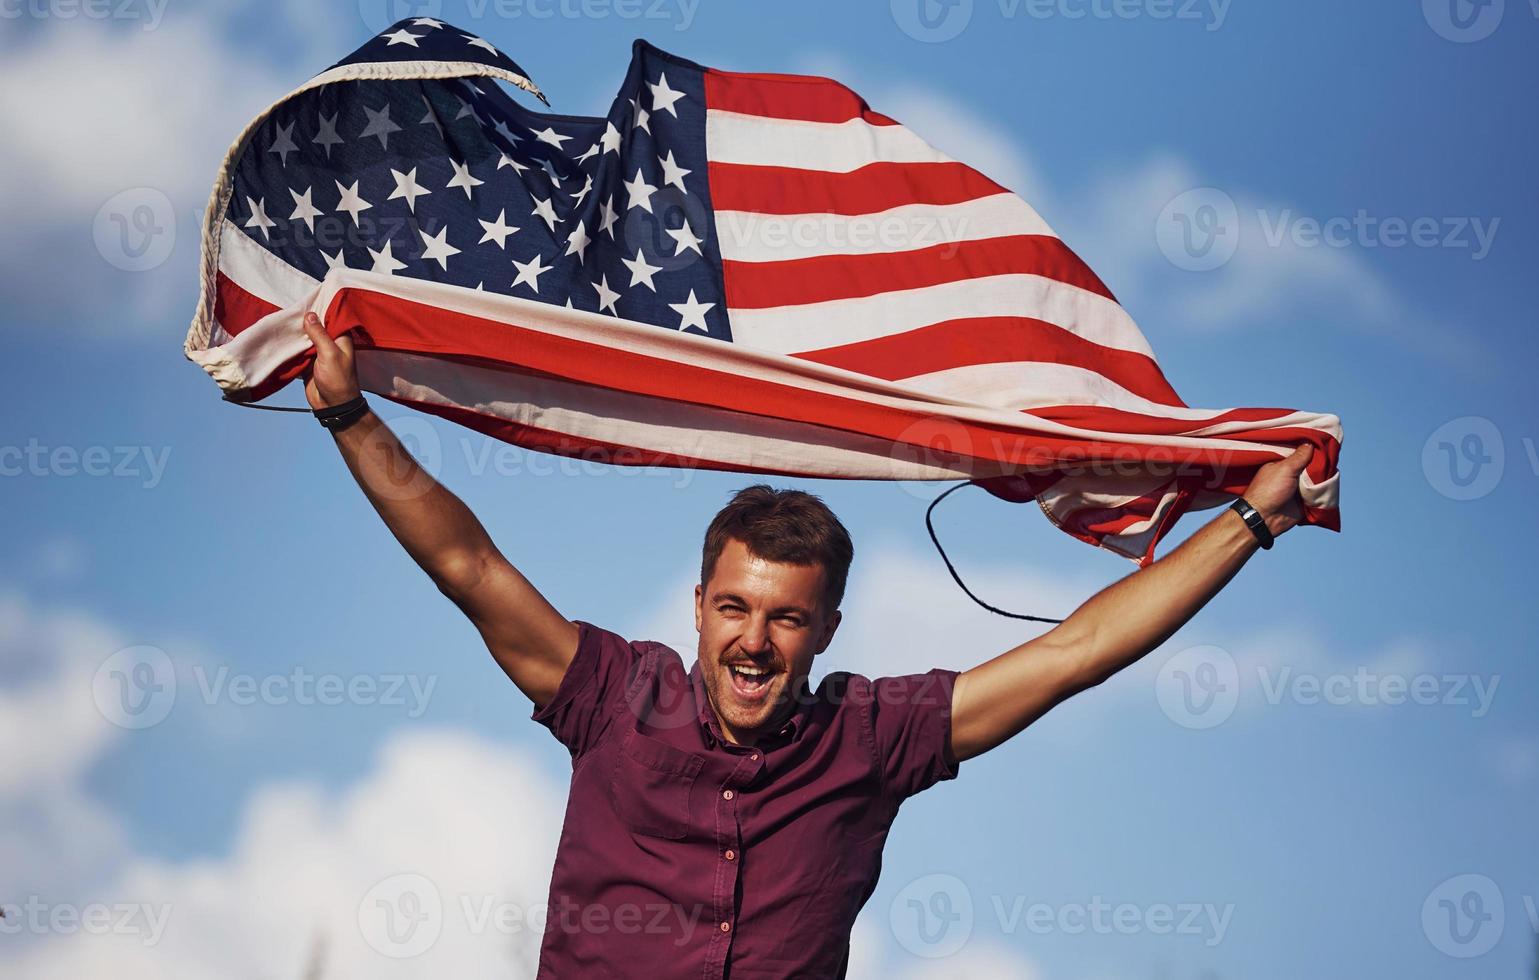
651	786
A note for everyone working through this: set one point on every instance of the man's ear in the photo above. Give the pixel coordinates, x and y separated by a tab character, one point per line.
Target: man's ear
828	630
699	607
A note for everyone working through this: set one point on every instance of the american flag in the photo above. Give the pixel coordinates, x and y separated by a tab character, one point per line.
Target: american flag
751	272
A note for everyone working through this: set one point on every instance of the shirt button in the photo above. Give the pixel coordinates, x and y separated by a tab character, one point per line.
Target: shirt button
730	855
725	926
754	757
727	794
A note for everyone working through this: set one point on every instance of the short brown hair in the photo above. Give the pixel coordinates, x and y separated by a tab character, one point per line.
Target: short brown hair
790	526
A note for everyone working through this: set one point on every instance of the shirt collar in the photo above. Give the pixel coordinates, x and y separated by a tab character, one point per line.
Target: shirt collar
791	730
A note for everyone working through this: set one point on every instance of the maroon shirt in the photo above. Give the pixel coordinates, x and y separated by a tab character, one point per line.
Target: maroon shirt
683	855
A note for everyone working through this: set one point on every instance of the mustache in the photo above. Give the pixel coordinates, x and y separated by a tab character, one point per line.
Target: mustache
768	663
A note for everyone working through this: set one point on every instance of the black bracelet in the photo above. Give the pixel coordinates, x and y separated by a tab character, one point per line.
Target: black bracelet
338	417
1254	521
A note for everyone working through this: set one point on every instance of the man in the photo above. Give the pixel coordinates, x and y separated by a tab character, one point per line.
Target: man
728	821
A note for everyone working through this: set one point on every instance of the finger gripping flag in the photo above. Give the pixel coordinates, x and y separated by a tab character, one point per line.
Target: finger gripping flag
734	271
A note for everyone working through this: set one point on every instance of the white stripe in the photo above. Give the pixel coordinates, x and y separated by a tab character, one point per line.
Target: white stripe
815	326
747	236
646	423
1024	385
734	137
260	272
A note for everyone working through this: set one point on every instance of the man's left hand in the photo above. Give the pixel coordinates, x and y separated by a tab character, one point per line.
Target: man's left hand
1275	490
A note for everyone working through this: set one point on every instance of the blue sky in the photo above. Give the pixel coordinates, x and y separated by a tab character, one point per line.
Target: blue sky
1324	832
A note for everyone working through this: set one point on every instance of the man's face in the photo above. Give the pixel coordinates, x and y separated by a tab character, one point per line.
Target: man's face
760	623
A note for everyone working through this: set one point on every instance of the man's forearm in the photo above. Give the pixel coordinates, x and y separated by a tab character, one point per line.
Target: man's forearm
435	527
1126	620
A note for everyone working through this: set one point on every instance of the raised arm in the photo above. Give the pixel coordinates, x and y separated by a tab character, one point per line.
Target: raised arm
1119	624
530	640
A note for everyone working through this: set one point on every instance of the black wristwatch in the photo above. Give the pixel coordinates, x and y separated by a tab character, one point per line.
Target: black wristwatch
1254	521
338	417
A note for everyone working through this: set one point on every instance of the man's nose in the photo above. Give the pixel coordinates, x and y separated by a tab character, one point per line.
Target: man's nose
755	639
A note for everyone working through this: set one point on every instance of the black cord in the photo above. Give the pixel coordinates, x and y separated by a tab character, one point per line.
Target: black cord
267	408
929	526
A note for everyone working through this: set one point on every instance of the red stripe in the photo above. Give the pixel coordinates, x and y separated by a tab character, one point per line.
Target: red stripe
792	282
868	190
994	340
235	308
805	97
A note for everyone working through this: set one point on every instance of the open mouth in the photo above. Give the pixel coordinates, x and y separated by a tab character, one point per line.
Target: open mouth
750	682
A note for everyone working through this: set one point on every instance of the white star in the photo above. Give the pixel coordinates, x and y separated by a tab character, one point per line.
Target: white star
543	209
502	130
402	37
610	141
283	143
437	247
259	218
327	137
507	161
431	119
588	153
692	313
606	295
529	273
549	135
477	42
462	177
642	117
304	209
664	97
427	22
385	262
466	109
334	261
640	193
583	193
685	237
379	125
607	216
498	229
577	244
673	173
406	186
351	202
550	171
641	270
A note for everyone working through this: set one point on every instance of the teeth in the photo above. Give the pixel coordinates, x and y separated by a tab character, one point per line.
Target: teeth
751	671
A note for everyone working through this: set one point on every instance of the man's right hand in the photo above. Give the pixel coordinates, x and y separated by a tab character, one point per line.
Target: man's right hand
333	377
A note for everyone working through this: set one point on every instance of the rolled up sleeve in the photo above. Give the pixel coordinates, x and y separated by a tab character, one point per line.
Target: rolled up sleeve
911	727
